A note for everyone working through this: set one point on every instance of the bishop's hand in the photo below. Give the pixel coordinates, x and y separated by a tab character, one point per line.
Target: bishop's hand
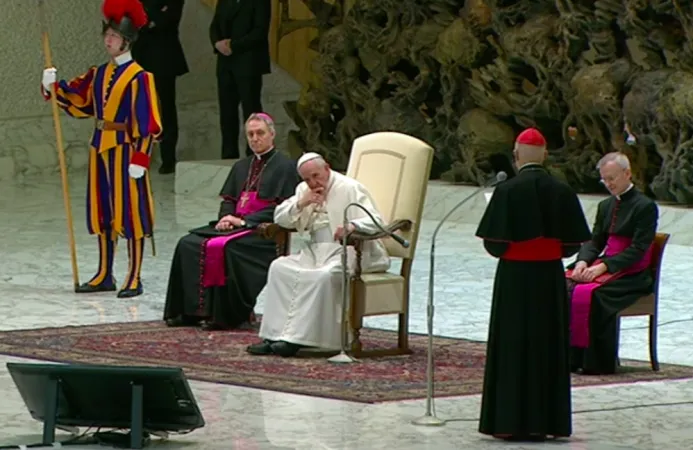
228	223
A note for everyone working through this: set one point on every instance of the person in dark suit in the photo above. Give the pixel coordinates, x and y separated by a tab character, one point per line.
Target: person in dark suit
159	51
239	35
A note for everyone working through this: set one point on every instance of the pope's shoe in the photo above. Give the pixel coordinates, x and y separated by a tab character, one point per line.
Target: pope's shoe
263	348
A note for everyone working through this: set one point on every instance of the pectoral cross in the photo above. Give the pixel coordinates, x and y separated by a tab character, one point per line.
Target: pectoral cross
244	199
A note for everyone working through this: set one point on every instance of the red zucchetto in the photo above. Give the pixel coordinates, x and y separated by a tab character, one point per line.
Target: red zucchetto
531	136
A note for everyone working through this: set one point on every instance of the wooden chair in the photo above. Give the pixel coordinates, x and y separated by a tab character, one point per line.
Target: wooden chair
649	304
395	168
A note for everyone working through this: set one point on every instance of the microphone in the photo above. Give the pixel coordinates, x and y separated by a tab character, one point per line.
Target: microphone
500	177
429	418
400	240
343	357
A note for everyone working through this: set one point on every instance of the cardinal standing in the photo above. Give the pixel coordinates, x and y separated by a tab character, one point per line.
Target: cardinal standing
530	224
121	99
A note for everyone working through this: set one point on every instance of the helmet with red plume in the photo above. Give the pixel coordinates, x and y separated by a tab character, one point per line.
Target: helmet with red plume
125	17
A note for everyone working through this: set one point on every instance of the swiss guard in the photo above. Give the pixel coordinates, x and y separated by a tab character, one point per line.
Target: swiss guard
120	97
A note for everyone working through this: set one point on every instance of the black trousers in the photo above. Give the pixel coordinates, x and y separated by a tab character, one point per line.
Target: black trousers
166	89
234	90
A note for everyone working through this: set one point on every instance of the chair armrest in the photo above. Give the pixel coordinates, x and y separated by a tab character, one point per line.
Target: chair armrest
271	230
400	225
279	235
358	239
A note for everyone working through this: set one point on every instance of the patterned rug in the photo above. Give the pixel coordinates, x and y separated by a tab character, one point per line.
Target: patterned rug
220	357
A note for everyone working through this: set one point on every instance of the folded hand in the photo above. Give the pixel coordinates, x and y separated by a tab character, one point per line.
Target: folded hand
584	274
223	46
595	271
227	223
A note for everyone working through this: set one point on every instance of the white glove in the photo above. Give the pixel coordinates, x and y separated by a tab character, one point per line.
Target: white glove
50	76
136	171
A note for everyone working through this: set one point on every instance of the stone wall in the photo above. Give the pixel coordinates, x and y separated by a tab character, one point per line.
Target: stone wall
468	75
27	136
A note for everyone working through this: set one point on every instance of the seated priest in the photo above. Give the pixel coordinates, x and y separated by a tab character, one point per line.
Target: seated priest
218	269
612	270
303	295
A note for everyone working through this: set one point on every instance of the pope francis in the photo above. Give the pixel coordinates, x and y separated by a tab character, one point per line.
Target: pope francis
303	294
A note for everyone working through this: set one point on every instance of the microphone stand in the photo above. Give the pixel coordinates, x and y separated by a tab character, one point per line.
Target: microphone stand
429	418
343	357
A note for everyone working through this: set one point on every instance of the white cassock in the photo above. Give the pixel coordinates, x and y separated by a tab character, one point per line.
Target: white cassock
303	294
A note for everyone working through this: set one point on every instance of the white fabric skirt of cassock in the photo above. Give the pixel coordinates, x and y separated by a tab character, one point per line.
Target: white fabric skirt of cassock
303	297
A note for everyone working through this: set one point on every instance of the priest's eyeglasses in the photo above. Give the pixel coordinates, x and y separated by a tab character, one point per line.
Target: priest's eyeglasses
611	178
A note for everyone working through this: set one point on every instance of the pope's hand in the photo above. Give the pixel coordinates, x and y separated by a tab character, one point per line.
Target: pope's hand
316	196
50	76
340	233
136	171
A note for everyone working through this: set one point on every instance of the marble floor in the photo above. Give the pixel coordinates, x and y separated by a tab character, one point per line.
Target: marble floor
35	291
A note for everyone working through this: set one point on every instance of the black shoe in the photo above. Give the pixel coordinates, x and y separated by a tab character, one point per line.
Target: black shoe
211	326
285	349
522	438
175	322
261	349
247	326
86	288
182	321
129	293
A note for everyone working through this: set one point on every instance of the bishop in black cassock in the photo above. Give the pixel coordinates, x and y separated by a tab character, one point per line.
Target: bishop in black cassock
272	177
532	221
618	259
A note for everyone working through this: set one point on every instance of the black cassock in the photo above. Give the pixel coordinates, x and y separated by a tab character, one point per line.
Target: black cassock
530	224
634	216
247	259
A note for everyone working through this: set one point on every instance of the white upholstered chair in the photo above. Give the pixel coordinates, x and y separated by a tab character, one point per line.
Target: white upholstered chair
395	168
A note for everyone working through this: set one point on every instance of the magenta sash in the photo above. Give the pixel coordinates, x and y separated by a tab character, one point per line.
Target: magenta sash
214	267
582	295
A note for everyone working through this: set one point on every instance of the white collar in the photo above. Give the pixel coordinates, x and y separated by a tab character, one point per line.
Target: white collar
618	197
123	58
528	165
263	153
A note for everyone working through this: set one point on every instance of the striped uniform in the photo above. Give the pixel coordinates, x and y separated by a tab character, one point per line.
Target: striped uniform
117	204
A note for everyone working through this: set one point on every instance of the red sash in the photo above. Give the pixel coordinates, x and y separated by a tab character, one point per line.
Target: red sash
539	249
